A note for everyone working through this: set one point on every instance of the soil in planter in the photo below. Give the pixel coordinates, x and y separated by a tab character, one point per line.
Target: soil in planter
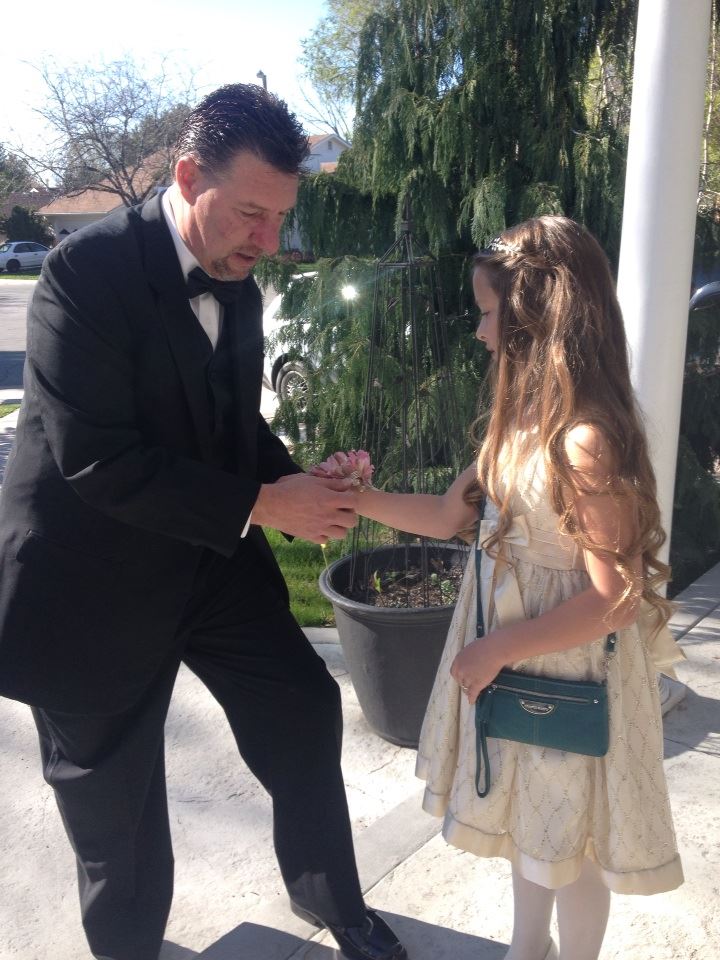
408	588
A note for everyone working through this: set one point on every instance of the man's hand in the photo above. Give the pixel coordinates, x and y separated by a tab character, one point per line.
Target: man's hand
307	507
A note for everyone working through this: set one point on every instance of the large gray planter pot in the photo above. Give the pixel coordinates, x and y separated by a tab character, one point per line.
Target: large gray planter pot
392	654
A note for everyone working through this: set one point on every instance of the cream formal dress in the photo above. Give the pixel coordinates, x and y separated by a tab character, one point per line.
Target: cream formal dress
548	809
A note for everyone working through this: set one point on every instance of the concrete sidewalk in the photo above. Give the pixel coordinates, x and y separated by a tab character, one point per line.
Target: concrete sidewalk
446	905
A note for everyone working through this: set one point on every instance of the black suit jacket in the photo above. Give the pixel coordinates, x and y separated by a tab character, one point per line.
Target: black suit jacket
109	496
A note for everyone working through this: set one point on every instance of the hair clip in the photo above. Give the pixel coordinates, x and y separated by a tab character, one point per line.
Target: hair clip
498	245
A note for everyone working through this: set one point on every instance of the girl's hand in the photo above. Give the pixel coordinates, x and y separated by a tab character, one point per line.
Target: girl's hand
477	666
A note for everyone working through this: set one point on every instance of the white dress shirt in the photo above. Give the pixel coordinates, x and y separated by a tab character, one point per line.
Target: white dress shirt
205	307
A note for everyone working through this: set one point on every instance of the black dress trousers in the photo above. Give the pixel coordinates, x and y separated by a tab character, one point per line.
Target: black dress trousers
240	639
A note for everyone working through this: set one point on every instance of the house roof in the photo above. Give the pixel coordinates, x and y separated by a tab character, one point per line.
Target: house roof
30	199
317	138
87	201
101	202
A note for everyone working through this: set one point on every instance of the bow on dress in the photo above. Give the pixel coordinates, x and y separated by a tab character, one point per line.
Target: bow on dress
497	573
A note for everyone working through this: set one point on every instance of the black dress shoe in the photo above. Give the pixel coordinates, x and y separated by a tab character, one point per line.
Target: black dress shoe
372	940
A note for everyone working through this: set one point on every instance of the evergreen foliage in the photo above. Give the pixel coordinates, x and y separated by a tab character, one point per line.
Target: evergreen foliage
335	217
485	113
480	113
24	224
709	198
332	335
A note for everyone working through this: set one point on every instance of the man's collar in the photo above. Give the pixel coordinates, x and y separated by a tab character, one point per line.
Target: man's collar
188	261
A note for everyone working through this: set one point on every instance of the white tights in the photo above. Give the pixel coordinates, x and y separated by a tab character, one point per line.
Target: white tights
582	914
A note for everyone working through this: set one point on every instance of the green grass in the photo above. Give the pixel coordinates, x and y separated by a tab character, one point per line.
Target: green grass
6	408
25	275
301	563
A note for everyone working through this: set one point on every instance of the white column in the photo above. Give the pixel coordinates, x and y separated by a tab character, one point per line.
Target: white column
661	187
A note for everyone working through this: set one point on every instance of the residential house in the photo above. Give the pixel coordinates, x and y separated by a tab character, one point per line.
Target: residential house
325	150
70	211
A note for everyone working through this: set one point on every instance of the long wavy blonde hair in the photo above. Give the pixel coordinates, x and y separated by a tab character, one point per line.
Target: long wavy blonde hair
562	360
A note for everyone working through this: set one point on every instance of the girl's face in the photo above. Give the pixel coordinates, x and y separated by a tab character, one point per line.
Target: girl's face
488	305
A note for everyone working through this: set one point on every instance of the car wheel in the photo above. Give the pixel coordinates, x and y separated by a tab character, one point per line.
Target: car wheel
291	383
12	266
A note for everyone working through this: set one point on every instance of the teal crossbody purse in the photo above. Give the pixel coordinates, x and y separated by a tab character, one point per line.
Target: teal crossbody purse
567	715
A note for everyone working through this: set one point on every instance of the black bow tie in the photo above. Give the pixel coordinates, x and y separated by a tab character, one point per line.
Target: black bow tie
224	291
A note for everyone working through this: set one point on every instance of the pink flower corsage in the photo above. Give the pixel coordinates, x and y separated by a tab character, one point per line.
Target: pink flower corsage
354	465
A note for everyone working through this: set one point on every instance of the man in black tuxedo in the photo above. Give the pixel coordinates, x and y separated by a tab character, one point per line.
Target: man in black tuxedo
131	541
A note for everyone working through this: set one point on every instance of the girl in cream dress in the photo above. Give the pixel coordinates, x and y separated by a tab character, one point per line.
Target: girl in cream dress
570	534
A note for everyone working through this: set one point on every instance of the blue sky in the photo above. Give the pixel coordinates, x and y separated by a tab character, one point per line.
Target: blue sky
223	41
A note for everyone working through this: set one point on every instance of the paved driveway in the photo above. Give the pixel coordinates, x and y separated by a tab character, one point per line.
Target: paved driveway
14	298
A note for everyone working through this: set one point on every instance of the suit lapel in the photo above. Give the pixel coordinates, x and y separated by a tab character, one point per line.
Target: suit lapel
190	346
188	342
247	351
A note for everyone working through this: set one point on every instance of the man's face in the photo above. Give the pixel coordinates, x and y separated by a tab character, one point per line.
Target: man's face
233	217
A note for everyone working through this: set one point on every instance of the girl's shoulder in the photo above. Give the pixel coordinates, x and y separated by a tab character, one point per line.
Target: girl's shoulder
589	454
587	436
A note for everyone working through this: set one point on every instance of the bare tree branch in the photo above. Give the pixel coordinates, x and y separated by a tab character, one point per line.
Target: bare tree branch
326	114
329	60
115	126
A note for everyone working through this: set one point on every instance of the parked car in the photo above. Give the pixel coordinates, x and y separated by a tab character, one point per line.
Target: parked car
284	370
286	366
706	296
17	255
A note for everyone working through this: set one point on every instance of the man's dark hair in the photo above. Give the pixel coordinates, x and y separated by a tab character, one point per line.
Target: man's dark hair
243	117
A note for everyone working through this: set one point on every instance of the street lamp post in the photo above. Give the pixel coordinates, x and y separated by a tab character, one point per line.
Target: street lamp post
262	78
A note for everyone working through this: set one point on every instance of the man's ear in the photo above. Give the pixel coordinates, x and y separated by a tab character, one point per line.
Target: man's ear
190	178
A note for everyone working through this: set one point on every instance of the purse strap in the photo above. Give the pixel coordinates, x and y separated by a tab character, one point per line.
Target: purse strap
480	631
481	705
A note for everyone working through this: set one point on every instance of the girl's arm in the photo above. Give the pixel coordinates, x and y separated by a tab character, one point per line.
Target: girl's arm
588	615
425	514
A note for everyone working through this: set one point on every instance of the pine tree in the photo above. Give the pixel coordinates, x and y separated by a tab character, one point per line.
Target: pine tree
482	112
24	224
485	113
